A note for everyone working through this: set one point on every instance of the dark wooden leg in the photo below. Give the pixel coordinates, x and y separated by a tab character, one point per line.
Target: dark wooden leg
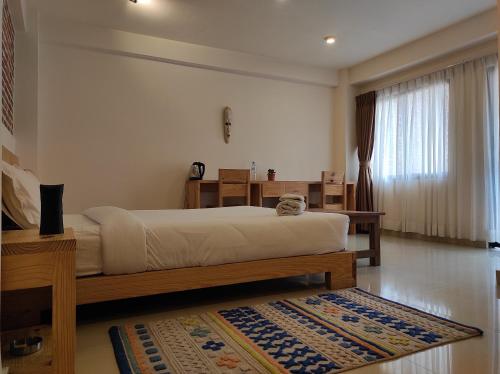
328	280
375	242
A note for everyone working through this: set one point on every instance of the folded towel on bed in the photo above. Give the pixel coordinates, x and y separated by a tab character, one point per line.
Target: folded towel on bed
291	196
291	205
285	209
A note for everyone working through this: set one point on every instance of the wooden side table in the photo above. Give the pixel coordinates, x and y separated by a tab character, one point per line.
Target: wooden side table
373	221
31	261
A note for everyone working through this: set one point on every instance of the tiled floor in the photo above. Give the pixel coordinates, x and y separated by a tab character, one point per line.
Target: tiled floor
454	282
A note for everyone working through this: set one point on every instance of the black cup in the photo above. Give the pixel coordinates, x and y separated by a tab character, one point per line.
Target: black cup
51	220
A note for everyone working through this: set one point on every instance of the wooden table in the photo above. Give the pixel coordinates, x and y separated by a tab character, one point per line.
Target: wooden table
373	221
204	194
198	192
30	261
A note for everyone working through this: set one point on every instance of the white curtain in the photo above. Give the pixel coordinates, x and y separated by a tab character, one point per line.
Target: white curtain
432	163
492	154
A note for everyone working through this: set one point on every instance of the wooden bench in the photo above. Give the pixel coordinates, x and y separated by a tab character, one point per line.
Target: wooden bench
372	219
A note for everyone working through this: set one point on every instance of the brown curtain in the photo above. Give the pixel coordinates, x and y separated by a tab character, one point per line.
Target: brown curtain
365	131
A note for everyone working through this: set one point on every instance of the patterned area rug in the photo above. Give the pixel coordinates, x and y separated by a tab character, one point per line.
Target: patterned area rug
328	333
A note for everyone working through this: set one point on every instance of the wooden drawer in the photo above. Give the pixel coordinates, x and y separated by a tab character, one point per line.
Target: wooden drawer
273	189
234	190
334	189
334	207
297	188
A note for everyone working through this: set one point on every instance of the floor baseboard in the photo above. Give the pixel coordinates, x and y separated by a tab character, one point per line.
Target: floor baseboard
439	239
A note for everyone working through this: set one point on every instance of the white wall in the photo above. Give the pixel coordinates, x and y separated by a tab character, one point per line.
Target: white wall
7	139
53	30
122	130
345	112
460	35
485	48
121	116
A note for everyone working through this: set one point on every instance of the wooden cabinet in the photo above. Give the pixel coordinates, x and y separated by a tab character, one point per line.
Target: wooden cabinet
204	194
273	189
297	188
334	189
30	261
234	190
277	188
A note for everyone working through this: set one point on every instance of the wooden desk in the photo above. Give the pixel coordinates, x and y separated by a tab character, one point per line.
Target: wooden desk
29	261
203	194
373	221
198	192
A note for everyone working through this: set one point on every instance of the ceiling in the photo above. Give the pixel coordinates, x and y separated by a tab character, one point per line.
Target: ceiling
290	30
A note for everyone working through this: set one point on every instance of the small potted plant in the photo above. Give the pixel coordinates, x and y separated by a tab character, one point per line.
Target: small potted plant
271	175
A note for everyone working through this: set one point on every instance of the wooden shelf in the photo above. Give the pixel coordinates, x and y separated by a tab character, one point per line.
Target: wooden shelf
30	261
37	363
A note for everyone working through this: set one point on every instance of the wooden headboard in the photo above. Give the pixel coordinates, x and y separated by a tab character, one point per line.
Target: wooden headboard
9	157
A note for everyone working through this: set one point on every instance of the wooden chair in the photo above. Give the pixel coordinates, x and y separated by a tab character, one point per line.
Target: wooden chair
234	183
333	190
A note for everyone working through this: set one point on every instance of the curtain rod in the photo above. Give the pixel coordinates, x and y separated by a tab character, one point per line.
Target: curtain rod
389	85
466	61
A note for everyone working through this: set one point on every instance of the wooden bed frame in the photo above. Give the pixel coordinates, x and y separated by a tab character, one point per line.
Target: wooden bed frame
339	269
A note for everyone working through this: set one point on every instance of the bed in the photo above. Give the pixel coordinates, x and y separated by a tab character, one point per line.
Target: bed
123	254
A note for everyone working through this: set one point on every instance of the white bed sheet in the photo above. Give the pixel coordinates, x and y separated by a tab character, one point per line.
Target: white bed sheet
88	244
202	237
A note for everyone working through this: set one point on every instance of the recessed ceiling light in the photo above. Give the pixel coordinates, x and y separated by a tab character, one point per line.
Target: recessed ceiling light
329	39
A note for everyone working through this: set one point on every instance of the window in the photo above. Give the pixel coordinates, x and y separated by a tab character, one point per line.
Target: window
436	164
411	129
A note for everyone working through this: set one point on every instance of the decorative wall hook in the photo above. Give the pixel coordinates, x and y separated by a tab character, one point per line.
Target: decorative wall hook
228	119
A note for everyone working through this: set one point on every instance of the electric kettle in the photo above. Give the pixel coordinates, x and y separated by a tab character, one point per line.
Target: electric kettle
197	171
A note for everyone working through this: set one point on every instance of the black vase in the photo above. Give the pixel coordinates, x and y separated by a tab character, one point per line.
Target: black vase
51	220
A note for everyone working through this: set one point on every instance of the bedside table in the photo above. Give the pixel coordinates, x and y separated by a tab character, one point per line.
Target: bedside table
31	261
373	221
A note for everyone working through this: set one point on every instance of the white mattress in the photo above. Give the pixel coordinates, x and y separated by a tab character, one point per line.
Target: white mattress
88	244
202	237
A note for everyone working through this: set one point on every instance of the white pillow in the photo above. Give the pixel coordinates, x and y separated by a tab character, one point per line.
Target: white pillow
21	195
